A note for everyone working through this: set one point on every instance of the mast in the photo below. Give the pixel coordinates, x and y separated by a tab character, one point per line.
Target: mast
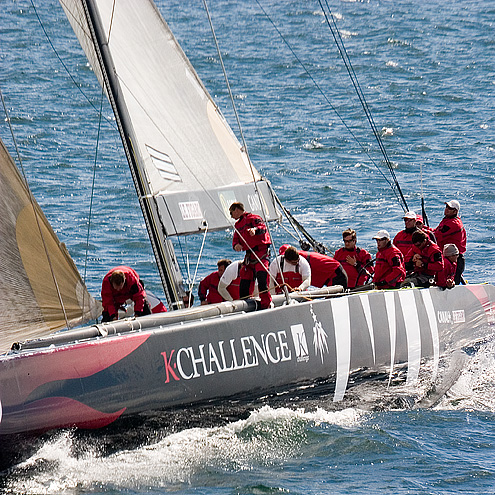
162	247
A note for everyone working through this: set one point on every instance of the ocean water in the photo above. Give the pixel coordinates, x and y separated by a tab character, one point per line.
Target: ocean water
427	70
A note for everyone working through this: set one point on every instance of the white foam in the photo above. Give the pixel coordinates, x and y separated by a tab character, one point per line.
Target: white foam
268	435
474	388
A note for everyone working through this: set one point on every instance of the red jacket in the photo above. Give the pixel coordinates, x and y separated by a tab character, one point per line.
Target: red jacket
362	257
451	231
258	242
403	240
208	289
133	289
322	268
448	273
431	256
389	268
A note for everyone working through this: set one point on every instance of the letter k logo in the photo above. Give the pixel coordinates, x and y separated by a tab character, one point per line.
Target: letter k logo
169	369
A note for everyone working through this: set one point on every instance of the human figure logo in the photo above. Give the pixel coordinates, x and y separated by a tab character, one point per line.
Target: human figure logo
300	342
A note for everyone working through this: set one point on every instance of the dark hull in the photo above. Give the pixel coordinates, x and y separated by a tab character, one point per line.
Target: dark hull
164	361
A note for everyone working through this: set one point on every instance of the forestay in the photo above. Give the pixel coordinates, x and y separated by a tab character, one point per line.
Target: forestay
190	161
38	275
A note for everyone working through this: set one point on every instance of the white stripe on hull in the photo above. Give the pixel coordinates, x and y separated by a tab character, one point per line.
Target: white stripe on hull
342	326
392	327
365	303
430	311
411	321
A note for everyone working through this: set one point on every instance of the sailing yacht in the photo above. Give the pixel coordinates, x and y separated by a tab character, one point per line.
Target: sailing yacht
188	167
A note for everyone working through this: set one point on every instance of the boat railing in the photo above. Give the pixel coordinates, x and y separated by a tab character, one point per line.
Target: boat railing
161	320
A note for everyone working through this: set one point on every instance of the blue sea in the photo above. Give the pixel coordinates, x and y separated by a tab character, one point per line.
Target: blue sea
428	73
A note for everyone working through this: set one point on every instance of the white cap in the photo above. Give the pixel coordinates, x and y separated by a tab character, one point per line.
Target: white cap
450	250
410	214
453	203
382	234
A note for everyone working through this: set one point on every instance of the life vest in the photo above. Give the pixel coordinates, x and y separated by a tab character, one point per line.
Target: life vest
292	278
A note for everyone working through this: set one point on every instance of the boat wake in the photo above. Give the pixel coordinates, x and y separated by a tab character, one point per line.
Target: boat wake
476	382
266	437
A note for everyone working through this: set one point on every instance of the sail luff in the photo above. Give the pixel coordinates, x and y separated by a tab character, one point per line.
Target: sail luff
166	261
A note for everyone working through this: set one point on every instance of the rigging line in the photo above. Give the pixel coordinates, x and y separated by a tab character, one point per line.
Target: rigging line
93	186
317	246
244	144
76	84
423	208
347	62
241	132
349	67
229	89
199	258
318	87
297	238
36	215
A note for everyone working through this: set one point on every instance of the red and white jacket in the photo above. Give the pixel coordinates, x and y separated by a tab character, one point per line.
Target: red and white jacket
208	289
448	273
403	240
431	257
258	242
295	276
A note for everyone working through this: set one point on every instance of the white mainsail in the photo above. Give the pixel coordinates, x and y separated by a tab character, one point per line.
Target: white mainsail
40	287
190	161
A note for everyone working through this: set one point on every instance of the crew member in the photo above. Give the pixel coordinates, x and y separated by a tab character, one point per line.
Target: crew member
420	225
208	287
354	260
446	278
228	287
251	235
119	285
289	270
451	231
402	239
423	262
325	270
389	265
188	299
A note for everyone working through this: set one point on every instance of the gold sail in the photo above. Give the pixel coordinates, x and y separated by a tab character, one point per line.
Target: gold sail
40	287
